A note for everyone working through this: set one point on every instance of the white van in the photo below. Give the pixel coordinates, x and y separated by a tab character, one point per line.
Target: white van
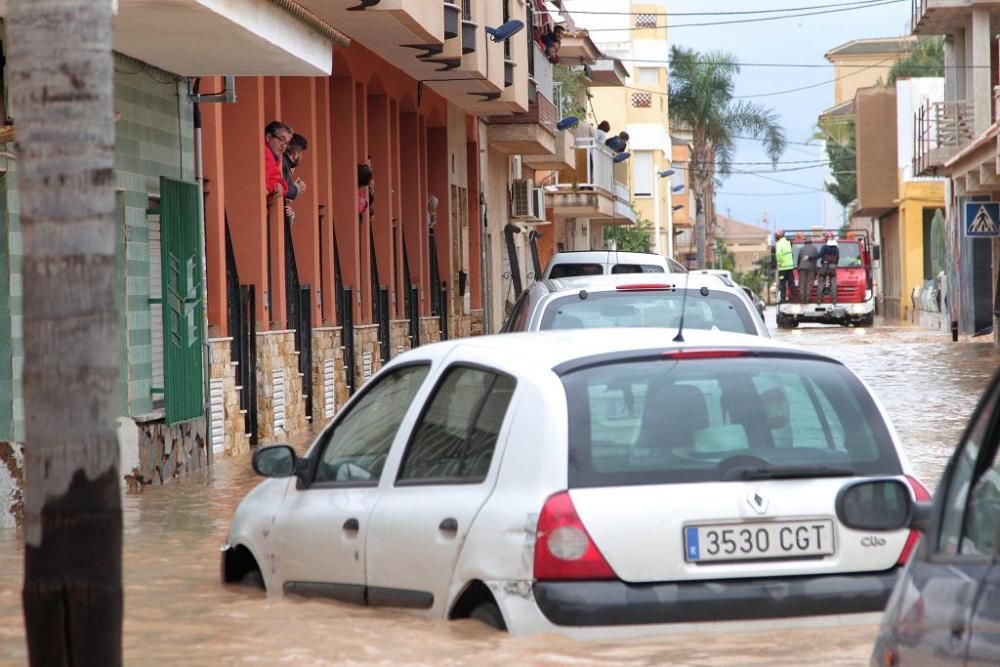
601	262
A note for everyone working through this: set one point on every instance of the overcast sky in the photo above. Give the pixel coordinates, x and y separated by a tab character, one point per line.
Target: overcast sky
801	41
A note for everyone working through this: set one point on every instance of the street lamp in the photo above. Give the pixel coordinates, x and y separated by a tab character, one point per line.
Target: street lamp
504	32
567	123
678	207
666	173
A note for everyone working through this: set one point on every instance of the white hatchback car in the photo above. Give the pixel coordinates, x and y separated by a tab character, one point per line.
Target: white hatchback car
589	483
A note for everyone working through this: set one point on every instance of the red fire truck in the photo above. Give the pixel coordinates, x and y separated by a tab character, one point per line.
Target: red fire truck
855	302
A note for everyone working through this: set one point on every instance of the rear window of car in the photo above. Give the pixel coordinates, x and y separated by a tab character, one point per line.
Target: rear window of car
637	268
695	420
649	308
572	270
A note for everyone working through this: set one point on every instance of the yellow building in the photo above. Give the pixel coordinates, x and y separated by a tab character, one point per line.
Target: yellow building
639	40
861	63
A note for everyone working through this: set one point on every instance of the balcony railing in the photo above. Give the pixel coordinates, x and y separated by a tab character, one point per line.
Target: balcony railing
918	8
599	164
940	131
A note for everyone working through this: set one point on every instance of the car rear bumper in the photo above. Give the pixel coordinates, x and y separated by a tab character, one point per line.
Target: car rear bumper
616	603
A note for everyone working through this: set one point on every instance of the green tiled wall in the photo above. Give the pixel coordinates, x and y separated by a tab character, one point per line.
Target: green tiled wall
154	137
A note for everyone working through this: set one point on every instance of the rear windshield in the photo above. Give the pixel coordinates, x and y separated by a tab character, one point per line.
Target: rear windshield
574	270
637	268
669	421
650	308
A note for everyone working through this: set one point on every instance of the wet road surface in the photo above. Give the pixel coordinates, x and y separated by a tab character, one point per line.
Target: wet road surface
177	612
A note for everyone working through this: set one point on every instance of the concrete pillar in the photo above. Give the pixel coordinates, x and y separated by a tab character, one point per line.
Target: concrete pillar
379	132
413	216
961	58
344	170
215	211
474	288
243	170
299	109
439	185
364	287
952	73
982	89
396	301
322	145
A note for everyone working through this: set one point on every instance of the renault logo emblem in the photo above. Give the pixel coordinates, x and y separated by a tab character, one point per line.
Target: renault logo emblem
757	502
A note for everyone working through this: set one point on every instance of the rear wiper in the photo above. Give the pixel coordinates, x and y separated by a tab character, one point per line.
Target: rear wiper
786	472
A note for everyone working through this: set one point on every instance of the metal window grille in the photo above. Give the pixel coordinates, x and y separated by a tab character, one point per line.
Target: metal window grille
642	100
645	20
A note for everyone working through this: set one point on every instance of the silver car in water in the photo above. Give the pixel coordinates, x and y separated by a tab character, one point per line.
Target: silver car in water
636	300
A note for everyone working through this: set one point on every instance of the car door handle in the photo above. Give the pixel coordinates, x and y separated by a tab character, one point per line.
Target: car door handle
351	525
448	525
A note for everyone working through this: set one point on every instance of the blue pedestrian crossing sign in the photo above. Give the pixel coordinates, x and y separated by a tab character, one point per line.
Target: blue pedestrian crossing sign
982	218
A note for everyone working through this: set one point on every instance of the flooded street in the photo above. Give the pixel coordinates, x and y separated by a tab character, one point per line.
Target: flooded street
177	612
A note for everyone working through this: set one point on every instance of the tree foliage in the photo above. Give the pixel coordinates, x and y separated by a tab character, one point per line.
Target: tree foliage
702	99
572	92
844	187
630	238
926	59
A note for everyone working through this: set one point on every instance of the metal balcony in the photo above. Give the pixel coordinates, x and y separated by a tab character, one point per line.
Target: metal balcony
940	131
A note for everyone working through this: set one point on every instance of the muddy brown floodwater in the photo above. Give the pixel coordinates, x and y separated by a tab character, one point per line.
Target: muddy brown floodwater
177	612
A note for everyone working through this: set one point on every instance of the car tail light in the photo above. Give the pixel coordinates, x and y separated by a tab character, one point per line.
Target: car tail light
705	354
921	493
563	548
644	286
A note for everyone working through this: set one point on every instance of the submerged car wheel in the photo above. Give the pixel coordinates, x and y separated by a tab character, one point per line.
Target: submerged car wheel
489	613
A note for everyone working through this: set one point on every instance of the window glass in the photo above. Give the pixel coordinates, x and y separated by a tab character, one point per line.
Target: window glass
959	483
664	421
982	517
637	268
456	435
518	319
642	173
850	252
650	308
357	445
648	76
571	270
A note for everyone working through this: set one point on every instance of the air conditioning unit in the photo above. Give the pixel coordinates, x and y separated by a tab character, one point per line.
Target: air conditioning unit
527	201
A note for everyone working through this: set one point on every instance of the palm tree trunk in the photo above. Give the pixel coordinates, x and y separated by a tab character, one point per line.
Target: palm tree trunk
699	229
61	71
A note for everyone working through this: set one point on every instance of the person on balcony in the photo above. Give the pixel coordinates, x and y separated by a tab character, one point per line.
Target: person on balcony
290	161
551	41
364	181
601	135
618	143
276	138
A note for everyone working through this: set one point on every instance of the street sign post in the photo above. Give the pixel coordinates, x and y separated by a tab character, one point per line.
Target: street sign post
982	219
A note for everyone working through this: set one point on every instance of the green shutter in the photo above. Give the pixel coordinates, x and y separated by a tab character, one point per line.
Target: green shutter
182	301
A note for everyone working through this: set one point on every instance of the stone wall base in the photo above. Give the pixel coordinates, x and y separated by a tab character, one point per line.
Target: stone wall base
430	330
281	411
163	451
367	359
399	337
329	375
223	379
476	326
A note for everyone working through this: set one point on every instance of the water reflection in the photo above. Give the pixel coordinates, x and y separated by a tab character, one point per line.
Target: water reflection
177	612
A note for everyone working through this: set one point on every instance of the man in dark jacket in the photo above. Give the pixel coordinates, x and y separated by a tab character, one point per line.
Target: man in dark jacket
290	161
808	256
829	258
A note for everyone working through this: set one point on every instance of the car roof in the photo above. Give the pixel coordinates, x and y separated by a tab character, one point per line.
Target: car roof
549	349
606	257
609	283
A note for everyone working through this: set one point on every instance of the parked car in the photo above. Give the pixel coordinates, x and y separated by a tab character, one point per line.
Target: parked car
588	483
945	609
755	299
572	263
632	301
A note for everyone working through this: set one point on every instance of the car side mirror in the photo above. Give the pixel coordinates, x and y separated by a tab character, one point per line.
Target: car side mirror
274	461
876	252
881	505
